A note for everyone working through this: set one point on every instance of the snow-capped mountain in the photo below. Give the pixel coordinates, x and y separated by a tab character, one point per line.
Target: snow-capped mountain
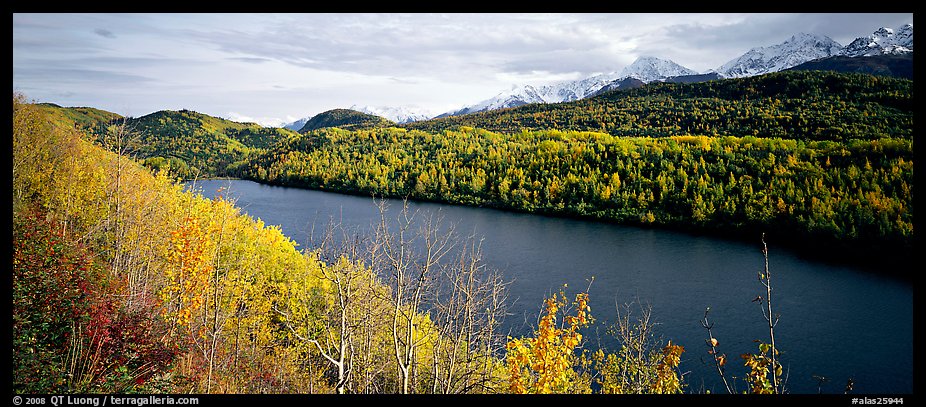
646	69
628	82
884	41
795	51
578	89
650	69
519	95
400	114
296	125
798	49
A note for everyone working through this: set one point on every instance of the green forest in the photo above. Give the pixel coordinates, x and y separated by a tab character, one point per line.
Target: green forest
799	105
821	160
124	282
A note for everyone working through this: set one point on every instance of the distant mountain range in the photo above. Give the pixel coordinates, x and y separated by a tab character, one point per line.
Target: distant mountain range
796	50
296	125
800	51
525	94
883	42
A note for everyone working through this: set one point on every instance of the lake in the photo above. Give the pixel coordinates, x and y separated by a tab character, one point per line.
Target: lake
836	322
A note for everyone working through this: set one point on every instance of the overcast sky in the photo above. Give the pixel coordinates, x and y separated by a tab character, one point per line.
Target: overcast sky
275	68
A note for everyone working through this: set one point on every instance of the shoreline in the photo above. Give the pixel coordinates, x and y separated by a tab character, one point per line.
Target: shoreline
891	262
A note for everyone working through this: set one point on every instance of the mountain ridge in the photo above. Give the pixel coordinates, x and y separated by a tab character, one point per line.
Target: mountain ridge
399	114
644	69
883	42
895	65
346	119
798	49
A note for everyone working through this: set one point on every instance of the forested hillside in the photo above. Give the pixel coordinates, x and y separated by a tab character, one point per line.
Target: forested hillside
125	283
799	105
346	119
190	144
820	160
900	66
84	118
204	145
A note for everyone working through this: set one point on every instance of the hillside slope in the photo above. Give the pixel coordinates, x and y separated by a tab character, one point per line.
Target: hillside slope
802	105
192	144
346	119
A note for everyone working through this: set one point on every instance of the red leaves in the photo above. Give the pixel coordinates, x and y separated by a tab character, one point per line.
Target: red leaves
53	277
57	287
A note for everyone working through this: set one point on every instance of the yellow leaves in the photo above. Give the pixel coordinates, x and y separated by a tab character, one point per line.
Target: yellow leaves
714	342
667	381
178	247
189	253
759	366
546	362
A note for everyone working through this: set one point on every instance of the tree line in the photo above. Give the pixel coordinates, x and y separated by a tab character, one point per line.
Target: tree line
800	105
856	194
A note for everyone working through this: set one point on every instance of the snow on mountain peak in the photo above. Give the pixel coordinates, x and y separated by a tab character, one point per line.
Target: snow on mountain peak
884	41
399	114
646	69
298	124
796	50
649	69
519	95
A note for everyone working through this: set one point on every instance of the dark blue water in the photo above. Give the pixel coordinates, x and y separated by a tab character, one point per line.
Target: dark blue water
836	322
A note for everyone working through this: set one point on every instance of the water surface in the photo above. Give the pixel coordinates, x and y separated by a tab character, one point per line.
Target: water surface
836	321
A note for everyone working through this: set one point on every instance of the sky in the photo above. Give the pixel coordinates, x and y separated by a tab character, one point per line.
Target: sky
275	68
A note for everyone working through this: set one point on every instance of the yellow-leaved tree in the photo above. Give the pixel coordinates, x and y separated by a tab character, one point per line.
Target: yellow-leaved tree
547	362
190	253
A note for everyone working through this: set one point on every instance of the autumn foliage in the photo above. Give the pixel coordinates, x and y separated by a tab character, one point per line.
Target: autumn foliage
189	255
546	362
71	330
125	282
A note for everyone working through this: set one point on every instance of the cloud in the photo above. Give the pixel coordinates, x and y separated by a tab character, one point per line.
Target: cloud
71	76
449	47
274	65
709	44
250	60
403	80
104	33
